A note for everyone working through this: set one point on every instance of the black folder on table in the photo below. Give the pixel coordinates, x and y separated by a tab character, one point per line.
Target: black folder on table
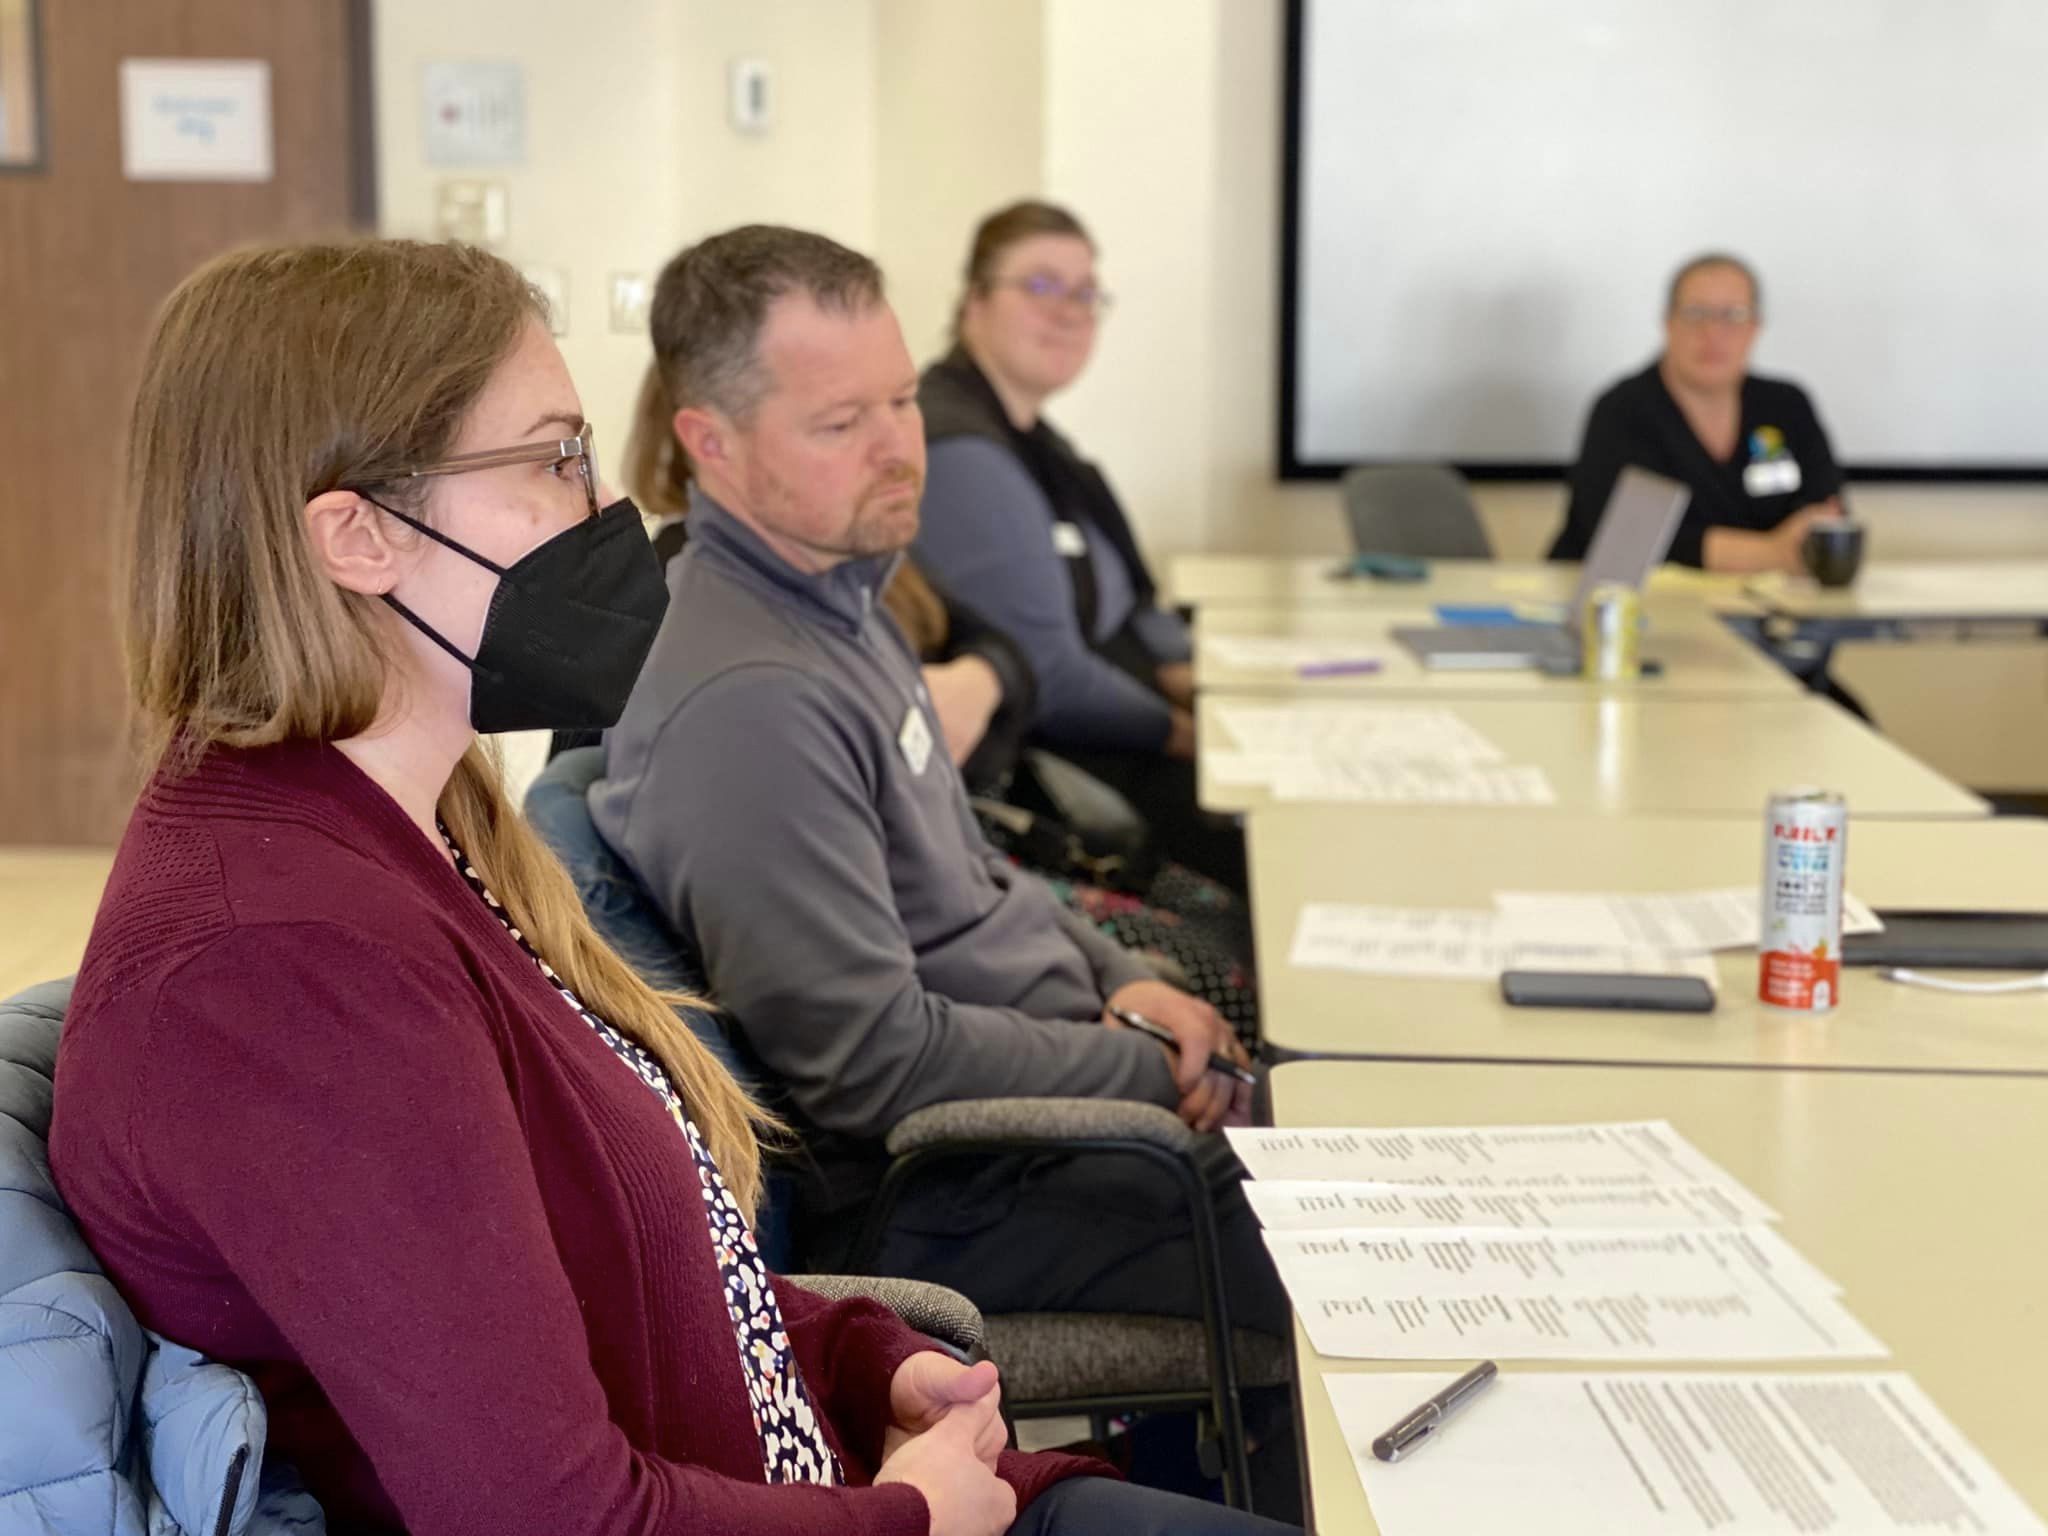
1960	941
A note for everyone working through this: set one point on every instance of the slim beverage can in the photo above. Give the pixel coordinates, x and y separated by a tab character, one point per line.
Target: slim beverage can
1806	854
1610	632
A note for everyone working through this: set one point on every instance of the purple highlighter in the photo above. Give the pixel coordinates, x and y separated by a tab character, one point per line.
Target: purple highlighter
1359	668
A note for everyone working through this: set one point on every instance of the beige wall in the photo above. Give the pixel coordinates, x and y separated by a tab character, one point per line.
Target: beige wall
960	122
628	151
817	166
1130	91
585	200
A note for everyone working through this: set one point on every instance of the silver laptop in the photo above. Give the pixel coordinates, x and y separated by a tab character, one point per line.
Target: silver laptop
1635	531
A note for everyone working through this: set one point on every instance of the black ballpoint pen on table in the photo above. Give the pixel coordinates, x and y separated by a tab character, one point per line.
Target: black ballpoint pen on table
1165	1036
1427	1419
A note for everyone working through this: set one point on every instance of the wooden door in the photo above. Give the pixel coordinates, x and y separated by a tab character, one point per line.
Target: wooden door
85	258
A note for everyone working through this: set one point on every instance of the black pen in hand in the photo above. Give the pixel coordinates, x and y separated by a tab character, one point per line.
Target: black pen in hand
1165	1036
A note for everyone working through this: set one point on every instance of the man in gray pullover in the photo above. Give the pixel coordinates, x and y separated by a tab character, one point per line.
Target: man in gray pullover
780	783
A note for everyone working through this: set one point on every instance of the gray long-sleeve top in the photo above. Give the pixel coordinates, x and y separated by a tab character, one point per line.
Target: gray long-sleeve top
780	784
987	536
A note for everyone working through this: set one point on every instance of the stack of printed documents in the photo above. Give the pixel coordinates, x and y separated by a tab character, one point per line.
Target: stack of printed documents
1611	1244
1671	933
1387	754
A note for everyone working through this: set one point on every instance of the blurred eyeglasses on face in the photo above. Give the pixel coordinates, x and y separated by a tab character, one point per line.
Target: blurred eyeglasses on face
1049	290
1698	316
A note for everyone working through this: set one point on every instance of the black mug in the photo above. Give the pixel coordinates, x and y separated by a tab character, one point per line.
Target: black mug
1833	551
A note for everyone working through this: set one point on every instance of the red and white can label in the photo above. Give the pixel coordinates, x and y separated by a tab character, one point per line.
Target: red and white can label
1792	980
1806	852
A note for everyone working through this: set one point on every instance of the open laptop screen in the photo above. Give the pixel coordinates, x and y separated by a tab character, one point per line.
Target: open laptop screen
1635	532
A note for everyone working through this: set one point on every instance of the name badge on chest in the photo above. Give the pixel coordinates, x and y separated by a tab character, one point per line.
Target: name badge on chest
916	740
1068	541
1771	477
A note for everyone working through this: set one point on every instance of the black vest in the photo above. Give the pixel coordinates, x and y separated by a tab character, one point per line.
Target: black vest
958	401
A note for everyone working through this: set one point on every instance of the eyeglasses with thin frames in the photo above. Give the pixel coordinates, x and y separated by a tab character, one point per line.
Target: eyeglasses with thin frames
1735	316
1047	289
557	451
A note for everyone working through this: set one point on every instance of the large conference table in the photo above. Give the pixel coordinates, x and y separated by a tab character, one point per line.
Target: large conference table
1328	854
1918	1194
1904	1137
1278	581
1989	591
1698	656
1640	753
1792	619
1886	592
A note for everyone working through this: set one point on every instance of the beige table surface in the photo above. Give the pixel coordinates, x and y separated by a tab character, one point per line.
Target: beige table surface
1303	854
1983	589
47	900
1900	1188
1280	581
1701	657
1642	755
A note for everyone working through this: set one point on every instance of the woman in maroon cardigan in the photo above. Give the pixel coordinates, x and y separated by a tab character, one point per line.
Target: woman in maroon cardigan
351	1096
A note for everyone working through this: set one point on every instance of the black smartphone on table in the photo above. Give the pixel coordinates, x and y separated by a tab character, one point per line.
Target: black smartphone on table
1612	990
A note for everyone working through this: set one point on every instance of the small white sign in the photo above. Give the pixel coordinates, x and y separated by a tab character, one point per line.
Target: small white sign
475	113
196	120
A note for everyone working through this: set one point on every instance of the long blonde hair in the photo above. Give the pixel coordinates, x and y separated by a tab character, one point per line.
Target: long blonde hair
278	373
657	470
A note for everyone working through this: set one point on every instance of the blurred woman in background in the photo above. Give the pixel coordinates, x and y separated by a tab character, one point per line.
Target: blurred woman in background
1020	526
1751	449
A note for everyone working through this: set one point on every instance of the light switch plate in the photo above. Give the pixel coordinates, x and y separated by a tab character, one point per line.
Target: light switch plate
631	295
475	211
750	101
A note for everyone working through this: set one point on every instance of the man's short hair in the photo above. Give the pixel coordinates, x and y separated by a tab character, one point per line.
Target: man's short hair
713	298
1715	259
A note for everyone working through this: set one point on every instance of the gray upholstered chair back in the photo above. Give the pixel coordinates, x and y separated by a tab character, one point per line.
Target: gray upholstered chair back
1414	509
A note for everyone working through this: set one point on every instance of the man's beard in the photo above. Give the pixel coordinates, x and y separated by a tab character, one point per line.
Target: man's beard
882	523
875	527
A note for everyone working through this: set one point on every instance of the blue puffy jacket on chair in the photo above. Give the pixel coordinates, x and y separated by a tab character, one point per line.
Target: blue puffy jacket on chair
106	1429
625	916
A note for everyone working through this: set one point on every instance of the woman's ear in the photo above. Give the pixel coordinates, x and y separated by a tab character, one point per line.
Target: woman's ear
351	541
971	304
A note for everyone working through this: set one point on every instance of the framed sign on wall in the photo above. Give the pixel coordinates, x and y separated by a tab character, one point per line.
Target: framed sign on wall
21	95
